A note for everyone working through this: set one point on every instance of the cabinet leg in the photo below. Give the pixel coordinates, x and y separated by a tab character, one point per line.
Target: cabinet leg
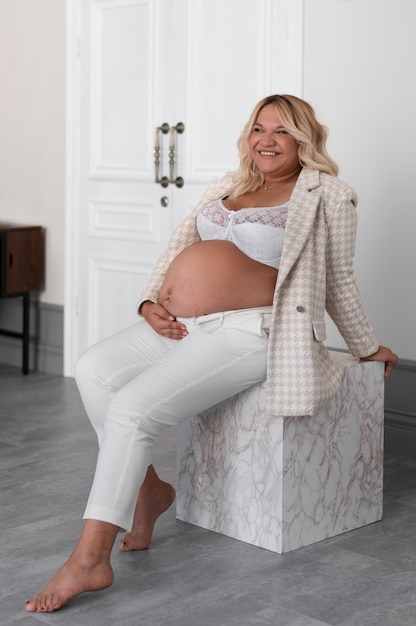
26	330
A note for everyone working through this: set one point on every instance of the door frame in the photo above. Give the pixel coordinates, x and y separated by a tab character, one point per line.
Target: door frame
72	179
295	10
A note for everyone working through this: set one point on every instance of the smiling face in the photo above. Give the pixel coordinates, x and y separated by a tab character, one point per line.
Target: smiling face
272	149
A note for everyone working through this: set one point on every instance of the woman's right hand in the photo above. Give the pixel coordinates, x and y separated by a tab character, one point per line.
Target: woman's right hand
162	321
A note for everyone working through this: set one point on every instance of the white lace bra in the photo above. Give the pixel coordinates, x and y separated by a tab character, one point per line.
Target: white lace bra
256	231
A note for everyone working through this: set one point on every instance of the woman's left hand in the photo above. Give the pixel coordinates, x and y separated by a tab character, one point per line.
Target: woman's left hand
385	355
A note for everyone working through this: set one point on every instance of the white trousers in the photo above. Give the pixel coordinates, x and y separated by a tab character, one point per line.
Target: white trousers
137	383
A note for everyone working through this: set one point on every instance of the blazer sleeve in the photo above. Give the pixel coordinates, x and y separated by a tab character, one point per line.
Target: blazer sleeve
343	300
184	235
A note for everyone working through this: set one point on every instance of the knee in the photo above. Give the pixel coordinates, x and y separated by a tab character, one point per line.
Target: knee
79	368
85	366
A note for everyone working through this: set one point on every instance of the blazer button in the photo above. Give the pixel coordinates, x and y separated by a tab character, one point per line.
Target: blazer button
300	309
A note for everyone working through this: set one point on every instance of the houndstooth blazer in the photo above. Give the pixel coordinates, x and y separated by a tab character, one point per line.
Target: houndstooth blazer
316	274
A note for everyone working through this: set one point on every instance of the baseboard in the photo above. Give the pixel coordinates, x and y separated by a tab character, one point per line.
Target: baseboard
400	432
46	353
400	408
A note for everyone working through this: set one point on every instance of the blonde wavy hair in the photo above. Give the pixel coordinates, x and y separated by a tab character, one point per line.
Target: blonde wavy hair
298	117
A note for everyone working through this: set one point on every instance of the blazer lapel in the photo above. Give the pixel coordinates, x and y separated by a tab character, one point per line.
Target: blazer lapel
303	205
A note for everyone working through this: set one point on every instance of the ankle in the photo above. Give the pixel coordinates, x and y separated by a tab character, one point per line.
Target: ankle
96	542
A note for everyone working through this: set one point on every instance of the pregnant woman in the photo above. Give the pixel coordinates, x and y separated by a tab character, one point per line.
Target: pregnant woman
238	297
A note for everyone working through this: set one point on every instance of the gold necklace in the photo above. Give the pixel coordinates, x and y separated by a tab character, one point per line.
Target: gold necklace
272	186
265	187
283	182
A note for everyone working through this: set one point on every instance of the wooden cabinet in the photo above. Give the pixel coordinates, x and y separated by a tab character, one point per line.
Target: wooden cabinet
20	259
21	272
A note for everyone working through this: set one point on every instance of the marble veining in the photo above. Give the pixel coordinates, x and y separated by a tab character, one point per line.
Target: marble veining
281	483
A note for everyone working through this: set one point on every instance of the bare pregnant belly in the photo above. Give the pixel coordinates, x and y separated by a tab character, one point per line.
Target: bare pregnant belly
211	276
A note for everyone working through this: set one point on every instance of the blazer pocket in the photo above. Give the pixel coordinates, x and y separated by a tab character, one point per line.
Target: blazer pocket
319	330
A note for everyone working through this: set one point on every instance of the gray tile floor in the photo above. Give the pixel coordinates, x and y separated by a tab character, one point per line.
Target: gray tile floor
189	576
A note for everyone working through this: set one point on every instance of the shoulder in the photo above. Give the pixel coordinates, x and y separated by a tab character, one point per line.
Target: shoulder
337	188
331	189
217	188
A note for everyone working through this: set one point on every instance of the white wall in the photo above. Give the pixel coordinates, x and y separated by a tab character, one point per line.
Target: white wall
359	75
32	126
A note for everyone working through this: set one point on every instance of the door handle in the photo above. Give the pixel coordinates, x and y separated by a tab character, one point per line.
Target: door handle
165	129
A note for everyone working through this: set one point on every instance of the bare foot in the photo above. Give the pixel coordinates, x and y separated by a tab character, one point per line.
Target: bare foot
151	503
70	581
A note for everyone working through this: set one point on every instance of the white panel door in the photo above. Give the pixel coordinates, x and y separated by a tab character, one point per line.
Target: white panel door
139	64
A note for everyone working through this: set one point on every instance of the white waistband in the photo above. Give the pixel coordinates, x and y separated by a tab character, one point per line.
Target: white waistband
200	319
255	320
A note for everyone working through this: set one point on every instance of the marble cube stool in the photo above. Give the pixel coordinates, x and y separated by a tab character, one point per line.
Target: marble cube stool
281	483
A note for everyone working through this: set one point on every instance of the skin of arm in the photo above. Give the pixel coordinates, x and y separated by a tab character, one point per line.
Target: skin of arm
385	355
